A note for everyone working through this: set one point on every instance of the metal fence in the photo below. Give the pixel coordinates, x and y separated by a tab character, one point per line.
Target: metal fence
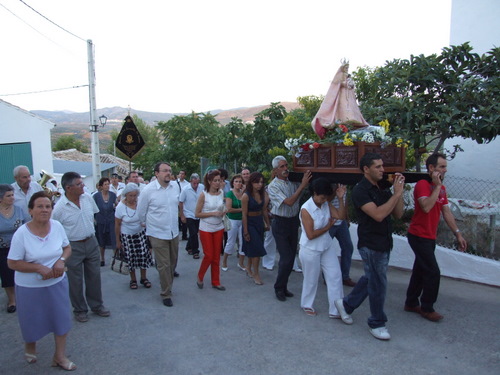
476	207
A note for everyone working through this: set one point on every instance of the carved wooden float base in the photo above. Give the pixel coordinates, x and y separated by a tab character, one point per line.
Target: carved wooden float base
337	158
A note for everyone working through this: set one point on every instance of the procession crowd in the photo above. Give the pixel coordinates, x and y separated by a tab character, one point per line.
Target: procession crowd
51	254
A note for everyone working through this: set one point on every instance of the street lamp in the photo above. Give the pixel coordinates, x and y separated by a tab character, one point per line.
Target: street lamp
103	119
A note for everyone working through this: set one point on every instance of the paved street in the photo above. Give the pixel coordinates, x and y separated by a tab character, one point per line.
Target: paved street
245	330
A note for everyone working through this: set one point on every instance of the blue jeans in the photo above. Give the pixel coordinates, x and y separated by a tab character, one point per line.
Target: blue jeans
372	284
341	233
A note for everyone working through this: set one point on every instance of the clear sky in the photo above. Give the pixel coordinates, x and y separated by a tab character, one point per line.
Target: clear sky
201	55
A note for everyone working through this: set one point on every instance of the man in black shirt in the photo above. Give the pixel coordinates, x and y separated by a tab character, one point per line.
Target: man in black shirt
374	207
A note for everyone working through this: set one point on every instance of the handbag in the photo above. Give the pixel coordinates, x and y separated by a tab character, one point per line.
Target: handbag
227	223
119	263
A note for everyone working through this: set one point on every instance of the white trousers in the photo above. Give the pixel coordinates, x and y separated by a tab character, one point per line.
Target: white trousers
313	262
233	234
269	259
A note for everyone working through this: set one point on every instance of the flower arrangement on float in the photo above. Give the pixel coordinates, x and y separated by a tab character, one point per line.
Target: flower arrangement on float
347	134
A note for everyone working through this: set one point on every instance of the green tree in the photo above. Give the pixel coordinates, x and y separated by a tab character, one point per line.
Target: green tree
67	142
265	136
429	99
188	138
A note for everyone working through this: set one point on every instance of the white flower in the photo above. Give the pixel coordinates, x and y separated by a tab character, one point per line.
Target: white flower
368	138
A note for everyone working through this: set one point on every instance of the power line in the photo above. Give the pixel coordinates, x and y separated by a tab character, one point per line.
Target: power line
42	91
52	22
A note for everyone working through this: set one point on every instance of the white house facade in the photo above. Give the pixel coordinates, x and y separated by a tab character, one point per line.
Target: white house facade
475	22
24	140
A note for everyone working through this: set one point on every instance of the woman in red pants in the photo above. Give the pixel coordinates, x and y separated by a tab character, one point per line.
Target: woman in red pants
210	208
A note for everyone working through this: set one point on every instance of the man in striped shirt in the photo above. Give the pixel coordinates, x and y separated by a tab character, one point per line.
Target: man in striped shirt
284	196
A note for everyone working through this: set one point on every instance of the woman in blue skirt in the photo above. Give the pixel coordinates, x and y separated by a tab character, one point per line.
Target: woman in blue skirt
38	252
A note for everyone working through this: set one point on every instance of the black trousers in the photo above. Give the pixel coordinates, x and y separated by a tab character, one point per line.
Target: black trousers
285	232
192	244
424	282
183	229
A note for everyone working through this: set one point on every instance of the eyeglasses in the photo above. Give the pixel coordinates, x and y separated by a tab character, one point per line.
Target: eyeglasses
79	184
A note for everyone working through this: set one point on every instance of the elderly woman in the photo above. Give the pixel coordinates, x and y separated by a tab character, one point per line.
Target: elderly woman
317	215
131	236
105	218
210	209
11	218
233	206
38	252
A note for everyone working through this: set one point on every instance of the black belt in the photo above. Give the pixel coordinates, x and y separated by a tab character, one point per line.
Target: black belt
284	217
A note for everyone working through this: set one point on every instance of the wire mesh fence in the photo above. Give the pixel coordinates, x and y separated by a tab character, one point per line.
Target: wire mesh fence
475	204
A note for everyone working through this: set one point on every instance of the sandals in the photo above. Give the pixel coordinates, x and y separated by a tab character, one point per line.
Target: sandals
133	284
309	311
30	358
146	283
68	365
196	256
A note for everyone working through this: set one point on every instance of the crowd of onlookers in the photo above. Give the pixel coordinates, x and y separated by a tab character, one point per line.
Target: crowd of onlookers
51	254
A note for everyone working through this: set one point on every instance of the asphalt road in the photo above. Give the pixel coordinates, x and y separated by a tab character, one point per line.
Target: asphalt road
246	330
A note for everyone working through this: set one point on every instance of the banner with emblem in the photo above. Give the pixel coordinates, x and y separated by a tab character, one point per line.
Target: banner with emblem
129	141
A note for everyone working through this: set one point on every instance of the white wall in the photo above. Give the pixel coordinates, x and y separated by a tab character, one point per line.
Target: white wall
451	262
18	125
475	22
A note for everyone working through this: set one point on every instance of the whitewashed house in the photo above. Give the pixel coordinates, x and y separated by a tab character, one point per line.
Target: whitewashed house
24	140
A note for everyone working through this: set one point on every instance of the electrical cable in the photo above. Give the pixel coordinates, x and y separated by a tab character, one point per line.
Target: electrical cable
42	91
52	22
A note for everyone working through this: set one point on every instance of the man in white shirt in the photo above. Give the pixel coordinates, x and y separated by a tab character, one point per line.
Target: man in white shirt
75	211
187	206
24	188
158	209
181	181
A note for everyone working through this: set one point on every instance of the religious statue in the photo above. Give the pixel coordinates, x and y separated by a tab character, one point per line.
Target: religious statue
340	105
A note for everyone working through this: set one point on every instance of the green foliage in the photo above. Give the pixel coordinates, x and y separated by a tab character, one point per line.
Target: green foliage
66	142
432	98
299	120
185	139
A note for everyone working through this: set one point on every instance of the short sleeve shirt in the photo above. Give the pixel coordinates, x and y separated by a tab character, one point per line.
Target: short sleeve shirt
78	222
425	224
371	233
31	248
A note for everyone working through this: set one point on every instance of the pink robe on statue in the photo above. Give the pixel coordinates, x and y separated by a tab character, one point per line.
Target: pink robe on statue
339	106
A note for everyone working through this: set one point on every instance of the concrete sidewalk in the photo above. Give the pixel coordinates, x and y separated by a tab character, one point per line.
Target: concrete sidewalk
246	330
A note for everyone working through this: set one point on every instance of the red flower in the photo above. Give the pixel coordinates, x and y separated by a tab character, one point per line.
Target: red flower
305	147
315	144
343	128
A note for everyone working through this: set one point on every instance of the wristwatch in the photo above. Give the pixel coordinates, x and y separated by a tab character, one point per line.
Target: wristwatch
63	259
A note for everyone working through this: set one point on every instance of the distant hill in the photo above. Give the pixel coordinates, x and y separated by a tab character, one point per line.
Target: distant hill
77	123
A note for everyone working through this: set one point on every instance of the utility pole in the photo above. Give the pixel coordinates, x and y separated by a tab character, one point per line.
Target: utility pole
94	127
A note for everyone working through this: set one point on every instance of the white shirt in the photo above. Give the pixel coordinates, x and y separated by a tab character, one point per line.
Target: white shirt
189	198
78	222
20	198
183	184
158	208
212	203
130	219
33	249
320	216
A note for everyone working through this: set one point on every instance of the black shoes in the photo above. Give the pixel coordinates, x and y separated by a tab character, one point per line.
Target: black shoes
176	274
280	295
288	293
168	302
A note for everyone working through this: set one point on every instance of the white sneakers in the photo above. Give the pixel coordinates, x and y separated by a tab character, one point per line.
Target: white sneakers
346	318
380	333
